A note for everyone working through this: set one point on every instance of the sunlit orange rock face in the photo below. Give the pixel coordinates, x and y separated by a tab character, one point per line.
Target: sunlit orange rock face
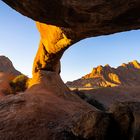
106	76
52	45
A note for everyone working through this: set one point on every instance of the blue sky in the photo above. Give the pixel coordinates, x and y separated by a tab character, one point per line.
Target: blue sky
19	41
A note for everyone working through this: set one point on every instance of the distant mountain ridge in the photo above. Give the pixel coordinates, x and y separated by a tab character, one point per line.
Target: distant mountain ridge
107	76
6	66
7	73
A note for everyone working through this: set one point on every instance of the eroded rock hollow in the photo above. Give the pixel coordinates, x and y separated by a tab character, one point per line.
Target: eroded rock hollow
40	113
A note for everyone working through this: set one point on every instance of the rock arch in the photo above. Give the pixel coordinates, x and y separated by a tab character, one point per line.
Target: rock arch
40	113
67	21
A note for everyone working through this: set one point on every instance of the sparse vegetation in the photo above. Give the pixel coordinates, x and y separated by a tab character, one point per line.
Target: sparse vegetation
19	83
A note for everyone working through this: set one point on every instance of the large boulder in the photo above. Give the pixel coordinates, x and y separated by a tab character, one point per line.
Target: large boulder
135	106
41	113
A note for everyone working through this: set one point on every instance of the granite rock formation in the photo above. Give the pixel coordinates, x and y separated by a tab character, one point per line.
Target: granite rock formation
76	20
82	18
135	106
106	76
52	45
6	66
48	110
40	113
7	73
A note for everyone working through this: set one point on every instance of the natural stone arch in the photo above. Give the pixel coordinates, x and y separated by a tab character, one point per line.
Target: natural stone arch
73	20
40	113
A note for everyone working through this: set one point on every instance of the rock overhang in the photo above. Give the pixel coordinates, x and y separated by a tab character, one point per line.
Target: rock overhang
65	22
82	18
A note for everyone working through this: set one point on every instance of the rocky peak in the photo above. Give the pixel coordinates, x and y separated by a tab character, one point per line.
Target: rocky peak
7	73
6	66
107	66
5	63
97	70
100	70
123	65
107	69
135	64
102	76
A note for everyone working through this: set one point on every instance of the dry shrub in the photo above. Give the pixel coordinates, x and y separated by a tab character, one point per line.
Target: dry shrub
19	83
